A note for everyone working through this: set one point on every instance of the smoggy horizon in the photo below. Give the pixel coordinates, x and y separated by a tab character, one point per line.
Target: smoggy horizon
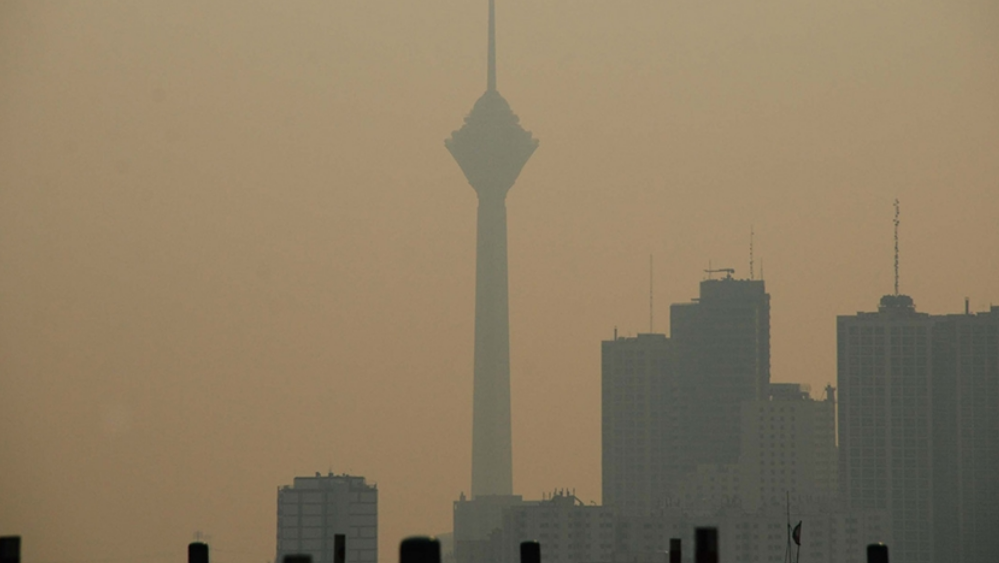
235	250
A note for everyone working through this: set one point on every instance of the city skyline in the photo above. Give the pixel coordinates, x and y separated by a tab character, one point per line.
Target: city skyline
222	226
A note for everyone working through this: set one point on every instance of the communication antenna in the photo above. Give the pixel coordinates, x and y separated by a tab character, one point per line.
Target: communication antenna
491	66
650	295
896	244
751	253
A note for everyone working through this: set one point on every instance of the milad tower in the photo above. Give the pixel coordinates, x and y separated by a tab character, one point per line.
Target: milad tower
491	149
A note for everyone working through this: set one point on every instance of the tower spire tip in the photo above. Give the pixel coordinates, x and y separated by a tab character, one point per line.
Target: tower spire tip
491	78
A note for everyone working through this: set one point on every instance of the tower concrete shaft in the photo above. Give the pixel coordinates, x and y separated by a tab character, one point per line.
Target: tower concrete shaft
492	463
491	149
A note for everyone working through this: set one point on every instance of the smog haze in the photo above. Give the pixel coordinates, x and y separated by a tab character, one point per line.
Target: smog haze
234	248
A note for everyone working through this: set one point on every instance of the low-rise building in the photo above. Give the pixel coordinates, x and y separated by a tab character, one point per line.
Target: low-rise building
313	510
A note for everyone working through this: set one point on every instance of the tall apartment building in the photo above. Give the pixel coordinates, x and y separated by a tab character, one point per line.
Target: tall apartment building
722	344
640	411
788	452
966	436
885	419
313	510
789	448
670	405
918	420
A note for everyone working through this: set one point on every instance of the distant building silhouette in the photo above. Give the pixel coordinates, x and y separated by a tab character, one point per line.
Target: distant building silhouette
571	531
568	530
491	149
695	434
722	343
475	522
314	510
640	411
789	448
672	405
918	424
788	453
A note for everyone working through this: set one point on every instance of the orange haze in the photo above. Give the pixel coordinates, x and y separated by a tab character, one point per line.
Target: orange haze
233	248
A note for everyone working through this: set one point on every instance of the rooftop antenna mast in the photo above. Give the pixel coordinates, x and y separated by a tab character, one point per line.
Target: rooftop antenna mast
751	276
650	296
896	244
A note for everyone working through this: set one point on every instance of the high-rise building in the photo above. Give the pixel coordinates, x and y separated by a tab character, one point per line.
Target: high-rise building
722	344
789	449
491	149
965	436
673	405
314	510
885	419
918	420
640	416
788	455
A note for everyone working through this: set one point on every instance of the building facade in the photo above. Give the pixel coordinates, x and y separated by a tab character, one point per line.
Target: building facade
722	351
829	534
640	414
789	449
672	407
313	510
919	397
966	436
568	530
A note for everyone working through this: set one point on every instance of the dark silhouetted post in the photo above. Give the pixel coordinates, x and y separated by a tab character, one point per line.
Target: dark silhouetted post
530	552
10	549
706	545
675	550
340	548
420	549
197	552
877	553
299	558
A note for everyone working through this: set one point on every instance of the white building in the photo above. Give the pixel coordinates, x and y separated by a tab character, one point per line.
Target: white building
314	510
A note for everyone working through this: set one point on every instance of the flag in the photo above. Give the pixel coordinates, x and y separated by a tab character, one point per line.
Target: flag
796	534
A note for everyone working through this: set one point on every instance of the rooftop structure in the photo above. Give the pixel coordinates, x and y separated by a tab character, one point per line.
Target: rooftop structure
314	510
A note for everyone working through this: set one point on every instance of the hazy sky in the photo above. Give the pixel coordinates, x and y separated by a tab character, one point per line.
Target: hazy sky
233	248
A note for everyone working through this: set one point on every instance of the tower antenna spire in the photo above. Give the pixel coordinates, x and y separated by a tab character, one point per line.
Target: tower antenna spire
751	252
491	72
651	325
896	244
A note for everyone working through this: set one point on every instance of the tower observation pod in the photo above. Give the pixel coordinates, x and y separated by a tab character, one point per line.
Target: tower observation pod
491	148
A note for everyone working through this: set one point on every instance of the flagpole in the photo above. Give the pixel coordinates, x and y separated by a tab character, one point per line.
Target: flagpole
787	548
